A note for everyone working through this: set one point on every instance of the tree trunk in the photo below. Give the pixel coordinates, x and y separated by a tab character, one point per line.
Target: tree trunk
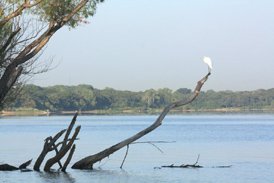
7	81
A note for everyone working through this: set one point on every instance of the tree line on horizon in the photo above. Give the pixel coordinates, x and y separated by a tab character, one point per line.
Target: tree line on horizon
86	98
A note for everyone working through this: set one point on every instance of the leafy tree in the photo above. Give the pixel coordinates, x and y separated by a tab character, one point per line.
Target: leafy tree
85	97
26	26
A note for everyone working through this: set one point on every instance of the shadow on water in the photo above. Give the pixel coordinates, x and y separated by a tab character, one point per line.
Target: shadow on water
96	175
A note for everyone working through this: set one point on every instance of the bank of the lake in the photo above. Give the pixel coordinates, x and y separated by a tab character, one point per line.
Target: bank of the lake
128	111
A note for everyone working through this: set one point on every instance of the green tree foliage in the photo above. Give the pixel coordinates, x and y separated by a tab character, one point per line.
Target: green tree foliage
85	97
26	26
57	10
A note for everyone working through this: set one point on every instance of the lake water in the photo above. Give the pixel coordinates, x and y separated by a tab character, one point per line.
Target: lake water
245	141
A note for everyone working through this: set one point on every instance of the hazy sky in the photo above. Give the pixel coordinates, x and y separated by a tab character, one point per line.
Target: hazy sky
142	44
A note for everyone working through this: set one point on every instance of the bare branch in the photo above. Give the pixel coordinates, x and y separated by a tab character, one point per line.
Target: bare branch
9	40
60	143
197	160
69	129
124	157
24	165
69	158
62	151
56	151
49	142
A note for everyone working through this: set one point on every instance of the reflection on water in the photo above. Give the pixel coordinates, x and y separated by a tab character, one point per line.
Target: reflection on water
244	141
55	177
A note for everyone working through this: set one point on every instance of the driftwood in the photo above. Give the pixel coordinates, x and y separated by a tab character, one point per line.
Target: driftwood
195	165
22	167
182	166
7	167
66	145
87	162
191	166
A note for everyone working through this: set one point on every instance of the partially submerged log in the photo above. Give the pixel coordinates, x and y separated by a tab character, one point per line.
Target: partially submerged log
192	166
181	166
22	167
87	162
7	167
195	165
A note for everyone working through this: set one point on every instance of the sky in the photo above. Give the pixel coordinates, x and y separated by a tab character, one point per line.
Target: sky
142	44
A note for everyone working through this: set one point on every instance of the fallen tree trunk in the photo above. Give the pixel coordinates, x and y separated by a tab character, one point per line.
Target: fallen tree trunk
87	162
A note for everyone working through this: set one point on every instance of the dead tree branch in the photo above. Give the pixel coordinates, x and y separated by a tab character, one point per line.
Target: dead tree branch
25	165
146	142
50	145
69	158
49	141
87	162
153	143
125	157
69	130
63	151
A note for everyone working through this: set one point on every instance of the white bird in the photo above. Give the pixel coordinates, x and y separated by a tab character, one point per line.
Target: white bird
208	62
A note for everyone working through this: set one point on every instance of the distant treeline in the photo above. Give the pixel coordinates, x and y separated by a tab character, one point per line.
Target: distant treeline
87	98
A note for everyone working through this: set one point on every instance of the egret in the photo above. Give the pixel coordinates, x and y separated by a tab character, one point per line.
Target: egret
208	62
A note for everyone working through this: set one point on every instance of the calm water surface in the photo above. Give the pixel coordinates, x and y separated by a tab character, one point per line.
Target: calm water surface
244	141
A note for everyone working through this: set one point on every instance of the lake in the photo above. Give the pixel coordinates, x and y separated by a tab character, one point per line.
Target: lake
245	141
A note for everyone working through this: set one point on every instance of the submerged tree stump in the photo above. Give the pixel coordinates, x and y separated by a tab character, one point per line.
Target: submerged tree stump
66	146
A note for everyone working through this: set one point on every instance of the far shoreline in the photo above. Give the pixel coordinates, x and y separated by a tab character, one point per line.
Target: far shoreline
35	112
